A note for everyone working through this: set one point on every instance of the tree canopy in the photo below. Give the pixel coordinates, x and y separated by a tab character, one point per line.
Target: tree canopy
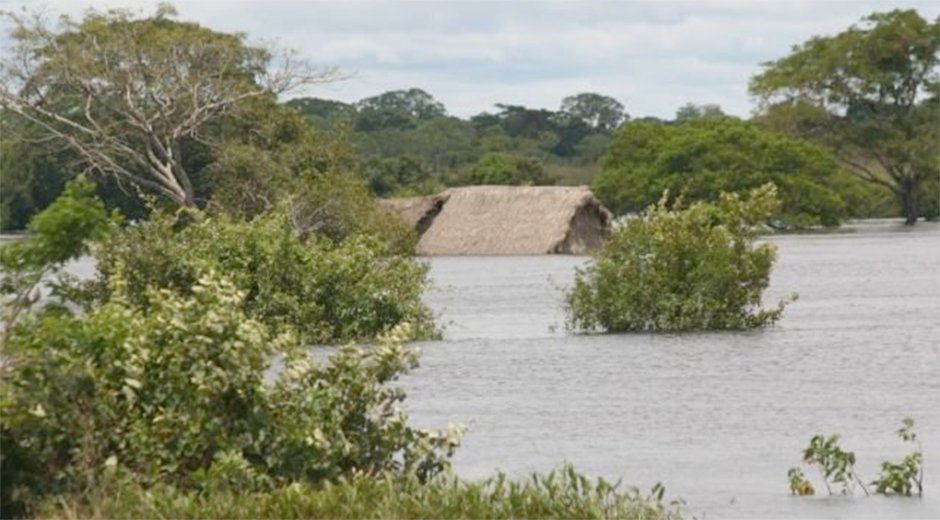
130	94
599	112
703	158
870	93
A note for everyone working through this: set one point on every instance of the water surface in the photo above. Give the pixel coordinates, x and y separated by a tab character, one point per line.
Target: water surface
717	417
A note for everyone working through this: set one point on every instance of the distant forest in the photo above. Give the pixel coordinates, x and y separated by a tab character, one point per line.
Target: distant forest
410	145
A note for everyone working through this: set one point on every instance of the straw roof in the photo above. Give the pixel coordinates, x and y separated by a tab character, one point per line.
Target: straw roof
417	212
509	220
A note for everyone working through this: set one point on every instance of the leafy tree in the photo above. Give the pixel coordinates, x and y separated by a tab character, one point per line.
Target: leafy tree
871	94
292	272
128	94
180	393
598	112
703	158
680	268
508	169
519	121
31	175
322	109
414	103
399	109
61	232
691	111
398	176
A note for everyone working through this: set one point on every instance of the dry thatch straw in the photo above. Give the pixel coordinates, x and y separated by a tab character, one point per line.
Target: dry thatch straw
417	212
506	220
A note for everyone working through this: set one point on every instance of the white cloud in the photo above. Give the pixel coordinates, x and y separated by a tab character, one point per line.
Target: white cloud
653	56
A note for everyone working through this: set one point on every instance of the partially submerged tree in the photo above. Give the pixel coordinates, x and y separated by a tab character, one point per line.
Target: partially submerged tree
128	93
870	93
681	268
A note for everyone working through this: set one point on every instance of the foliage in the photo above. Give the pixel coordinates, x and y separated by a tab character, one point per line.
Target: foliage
30	175
798	484
176	393
680	268
871	94
562	493
691	112
901	478
705	157
403	175
505	169
58	234
410	129
397	108
838	467
835	464
128	93
291	274
599	112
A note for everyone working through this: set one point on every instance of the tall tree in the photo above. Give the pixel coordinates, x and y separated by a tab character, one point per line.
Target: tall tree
702	158
396	110
602	113
127	93
870	93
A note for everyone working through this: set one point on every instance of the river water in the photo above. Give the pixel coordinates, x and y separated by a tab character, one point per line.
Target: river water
718	418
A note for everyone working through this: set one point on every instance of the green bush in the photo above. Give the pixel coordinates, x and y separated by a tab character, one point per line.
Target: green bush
562	493
678	269
503	168
327	291
61	232
176	393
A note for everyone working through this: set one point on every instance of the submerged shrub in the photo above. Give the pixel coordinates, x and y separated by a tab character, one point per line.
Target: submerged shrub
837	466
901	478
176	393
681	268
327	291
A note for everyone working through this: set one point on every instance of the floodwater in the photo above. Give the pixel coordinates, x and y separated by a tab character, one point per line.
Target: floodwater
718	418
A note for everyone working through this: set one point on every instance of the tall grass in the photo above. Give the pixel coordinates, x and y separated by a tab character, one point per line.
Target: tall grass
562	493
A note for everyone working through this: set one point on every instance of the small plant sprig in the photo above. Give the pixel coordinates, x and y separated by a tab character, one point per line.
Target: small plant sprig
901	478
836	464
838	467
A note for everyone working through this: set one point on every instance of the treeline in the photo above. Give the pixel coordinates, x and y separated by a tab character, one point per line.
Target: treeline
841	142
409	143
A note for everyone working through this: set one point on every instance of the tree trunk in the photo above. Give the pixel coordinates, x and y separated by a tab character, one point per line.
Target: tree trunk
909	193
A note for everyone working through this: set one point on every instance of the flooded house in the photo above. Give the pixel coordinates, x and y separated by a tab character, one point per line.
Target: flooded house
506	220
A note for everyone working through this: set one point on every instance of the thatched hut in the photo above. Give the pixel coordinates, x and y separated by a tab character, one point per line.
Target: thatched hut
507	220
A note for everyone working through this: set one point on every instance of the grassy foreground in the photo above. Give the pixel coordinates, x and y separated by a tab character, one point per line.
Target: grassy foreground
562	493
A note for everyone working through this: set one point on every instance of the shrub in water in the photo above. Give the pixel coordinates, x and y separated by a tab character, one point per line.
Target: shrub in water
838	467
681	268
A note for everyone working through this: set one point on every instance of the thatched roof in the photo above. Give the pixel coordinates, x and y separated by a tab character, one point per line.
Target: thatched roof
417	212
509	220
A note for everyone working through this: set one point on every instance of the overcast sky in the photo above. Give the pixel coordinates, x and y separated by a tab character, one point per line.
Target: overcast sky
653	56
